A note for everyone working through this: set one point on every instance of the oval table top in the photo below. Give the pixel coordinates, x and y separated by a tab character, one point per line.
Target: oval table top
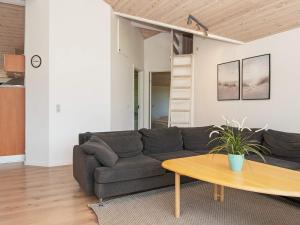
255	177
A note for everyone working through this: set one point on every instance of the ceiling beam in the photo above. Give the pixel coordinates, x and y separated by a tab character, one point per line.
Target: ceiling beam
148	27
173	27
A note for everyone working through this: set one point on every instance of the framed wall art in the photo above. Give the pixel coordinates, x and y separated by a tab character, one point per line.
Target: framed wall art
256	77
229	81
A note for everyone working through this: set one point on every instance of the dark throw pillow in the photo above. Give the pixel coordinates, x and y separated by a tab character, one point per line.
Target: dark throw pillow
125	144
162	140
102	152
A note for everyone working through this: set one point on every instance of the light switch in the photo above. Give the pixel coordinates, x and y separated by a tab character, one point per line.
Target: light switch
58	108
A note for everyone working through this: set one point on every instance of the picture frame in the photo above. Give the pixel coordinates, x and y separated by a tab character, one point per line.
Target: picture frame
256	77
228	81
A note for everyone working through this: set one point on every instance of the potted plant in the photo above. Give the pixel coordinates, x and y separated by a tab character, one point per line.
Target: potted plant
234	139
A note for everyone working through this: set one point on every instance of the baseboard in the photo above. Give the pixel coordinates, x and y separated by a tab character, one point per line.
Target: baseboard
47	164
64	163
12	158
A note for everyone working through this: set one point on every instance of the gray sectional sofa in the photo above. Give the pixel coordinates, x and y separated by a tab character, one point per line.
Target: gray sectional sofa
130	161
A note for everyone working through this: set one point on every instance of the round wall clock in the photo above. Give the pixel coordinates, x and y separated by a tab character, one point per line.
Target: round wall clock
36	61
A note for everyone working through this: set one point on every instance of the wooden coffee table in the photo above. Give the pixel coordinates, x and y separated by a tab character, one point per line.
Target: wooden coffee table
255	177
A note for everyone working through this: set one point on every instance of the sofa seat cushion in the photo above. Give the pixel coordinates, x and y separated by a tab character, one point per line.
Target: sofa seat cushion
161	140
283	145
132	168
276	162
172	155
124	143
197	139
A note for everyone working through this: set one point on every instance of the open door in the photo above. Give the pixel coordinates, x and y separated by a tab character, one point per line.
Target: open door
138	100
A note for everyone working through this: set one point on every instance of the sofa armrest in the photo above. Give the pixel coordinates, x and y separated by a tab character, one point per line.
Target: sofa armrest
83	169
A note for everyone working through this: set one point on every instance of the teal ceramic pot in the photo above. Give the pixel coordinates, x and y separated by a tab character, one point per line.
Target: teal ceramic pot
236	162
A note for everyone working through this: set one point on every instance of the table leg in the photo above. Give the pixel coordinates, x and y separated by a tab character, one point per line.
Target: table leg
218	193
215	192
177	195
222	194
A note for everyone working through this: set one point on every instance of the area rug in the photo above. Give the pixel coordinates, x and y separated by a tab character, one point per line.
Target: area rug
197	207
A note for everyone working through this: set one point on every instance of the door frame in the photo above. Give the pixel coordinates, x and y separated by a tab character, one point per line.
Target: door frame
150	93
140	97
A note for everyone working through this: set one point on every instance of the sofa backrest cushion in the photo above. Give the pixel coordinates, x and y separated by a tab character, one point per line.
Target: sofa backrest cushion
197	139
253	135
161	140
124	143
283	145
102	152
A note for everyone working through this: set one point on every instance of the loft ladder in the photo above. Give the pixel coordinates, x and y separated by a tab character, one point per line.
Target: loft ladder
181	90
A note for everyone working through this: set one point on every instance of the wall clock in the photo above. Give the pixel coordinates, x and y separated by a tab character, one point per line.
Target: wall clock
36	61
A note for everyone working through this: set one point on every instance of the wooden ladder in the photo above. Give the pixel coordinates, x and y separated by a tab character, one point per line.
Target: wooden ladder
181	91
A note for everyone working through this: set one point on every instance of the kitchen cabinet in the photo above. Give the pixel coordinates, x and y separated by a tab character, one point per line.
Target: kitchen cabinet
12	120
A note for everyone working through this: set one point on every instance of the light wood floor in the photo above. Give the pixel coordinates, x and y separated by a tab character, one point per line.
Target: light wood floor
42	196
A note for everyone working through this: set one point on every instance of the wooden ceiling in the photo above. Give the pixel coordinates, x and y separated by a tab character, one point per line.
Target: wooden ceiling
147	33
244	20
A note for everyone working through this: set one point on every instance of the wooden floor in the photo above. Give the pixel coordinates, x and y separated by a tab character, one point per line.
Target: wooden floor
42	196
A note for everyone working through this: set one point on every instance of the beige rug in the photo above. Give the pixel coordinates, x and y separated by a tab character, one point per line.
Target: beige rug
197	207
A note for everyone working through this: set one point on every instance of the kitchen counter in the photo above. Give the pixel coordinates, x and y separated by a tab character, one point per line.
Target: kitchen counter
11	86
4	79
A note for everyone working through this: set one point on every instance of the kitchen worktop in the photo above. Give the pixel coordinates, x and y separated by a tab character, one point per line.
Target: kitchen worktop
11	86
13	82
4	79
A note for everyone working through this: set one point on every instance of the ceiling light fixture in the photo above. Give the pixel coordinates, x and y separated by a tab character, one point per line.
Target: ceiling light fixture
200	26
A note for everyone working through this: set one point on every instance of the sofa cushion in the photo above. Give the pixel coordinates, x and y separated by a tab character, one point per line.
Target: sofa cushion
276	162
124	143
256	134
172	155
283	145
162	140
102	152
197	139
132	168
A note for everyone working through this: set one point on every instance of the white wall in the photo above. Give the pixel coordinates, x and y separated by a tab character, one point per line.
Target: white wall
157	52
280	112
131	55
75	74
37	83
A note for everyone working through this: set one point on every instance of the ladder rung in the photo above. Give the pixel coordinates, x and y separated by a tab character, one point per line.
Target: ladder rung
180	110
181	99
181	76
181	87
182	65
183	55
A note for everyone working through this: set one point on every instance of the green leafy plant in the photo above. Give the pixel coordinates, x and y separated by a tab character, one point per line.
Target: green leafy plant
231	139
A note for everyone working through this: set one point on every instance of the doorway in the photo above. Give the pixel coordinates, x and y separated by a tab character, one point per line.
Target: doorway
159	99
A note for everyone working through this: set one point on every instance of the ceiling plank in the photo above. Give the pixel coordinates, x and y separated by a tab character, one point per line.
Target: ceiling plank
245	20
148	33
